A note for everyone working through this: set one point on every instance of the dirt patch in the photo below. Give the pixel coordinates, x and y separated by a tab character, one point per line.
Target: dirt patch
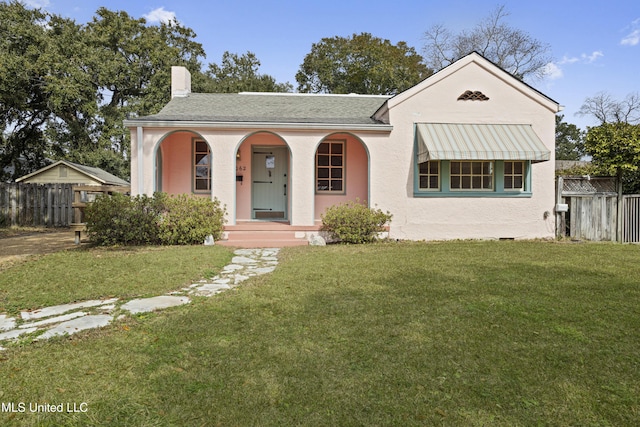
15	248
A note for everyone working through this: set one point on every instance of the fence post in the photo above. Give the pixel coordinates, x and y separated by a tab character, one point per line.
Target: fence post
559	215
14	205
619	237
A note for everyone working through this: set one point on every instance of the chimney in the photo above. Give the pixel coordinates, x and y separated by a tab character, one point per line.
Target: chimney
180	82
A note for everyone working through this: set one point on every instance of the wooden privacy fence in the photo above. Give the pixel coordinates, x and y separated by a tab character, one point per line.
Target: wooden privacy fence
631	218
36	205
593	217
592	210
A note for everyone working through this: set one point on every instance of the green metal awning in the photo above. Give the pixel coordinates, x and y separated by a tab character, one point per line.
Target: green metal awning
446	141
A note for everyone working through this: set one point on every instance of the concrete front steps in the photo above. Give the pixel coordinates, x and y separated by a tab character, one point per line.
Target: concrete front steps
266	234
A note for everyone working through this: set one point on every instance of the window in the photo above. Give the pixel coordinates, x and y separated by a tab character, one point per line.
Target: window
471	175
201	166
330	167
429	175
514	175
473	178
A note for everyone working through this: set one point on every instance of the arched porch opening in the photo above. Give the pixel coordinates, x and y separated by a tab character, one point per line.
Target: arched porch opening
183	164
341	172
263	178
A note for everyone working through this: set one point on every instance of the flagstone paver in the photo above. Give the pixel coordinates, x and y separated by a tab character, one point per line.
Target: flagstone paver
7	323
15	333
57	319
61	309
76	325
68	319
145	305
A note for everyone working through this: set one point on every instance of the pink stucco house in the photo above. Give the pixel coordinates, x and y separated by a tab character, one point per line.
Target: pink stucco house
467	153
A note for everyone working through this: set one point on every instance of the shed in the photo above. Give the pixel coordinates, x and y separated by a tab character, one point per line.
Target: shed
65	172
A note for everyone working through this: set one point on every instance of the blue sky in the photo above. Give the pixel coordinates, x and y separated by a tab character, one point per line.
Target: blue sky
595	45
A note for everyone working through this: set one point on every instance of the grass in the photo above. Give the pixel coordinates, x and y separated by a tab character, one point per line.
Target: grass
457	333
83	274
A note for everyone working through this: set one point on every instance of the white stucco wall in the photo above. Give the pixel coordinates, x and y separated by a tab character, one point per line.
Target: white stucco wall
488	217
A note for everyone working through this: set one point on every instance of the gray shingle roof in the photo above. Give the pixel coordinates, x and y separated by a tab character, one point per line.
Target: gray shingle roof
102	175
271	108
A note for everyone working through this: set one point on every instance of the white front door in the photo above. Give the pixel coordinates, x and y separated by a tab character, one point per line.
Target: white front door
269	169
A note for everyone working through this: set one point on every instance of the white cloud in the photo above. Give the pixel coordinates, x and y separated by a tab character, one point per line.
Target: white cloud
566	60
633	38
583	58
593	57
160	15
552	71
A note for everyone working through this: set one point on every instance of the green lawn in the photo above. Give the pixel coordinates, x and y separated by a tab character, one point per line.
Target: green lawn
457	333
83	274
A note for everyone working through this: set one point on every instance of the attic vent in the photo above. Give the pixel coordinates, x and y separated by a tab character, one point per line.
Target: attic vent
473	96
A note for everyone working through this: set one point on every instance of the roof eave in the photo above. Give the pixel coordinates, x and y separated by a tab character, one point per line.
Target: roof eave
257	125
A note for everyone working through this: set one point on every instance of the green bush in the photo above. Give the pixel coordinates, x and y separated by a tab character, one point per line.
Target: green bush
161	219
189	220
353	222
122	220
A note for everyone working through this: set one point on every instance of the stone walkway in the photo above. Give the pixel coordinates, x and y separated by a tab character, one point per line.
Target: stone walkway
68	319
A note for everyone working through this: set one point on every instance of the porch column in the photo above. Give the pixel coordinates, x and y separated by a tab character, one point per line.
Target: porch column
303	150
142	162
223	172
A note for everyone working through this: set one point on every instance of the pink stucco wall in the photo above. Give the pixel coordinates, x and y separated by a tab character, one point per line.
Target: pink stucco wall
356	179
243	168
176	150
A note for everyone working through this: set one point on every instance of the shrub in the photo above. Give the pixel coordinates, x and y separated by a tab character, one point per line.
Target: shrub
161	219
122	220
353	222
189	220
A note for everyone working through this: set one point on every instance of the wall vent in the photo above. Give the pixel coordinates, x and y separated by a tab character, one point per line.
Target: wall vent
473	96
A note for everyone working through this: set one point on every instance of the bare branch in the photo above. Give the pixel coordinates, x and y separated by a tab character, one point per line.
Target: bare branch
513	50
605	109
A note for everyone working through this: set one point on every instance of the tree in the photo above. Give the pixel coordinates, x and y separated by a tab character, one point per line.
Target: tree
605	109
569	140
615	148
24	104
360	64
240	73
511	49
131	65
66	88
615	143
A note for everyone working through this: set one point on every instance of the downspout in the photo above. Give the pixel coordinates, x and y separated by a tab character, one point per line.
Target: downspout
139	137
